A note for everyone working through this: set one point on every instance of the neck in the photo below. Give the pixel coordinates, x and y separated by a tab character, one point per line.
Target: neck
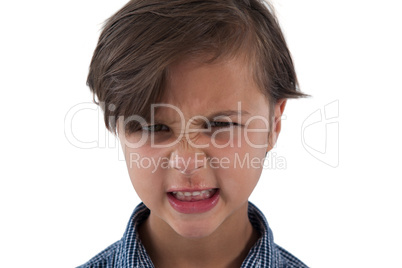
227	246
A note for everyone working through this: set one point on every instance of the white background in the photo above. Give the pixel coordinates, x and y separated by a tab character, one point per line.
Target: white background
60	205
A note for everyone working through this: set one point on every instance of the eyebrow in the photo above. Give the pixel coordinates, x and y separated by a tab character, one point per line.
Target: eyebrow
215	115
228	113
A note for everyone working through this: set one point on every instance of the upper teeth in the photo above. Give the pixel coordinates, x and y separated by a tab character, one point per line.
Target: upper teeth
193	193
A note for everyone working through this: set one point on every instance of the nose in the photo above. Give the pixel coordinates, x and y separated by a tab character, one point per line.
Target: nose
187	162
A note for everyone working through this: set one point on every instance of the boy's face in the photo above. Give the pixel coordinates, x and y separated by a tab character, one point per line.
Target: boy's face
197	166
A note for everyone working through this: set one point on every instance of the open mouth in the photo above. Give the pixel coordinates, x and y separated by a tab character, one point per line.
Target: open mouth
194	195
189	202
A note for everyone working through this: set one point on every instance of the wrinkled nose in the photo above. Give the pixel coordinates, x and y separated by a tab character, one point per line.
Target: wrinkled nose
187	162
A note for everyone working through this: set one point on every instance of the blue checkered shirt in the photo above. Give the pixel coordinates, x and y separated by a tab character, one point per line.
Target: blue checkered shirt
129	251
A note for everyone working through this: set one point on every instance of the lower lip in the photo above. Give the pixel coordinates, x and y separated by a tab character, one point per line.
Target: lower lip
193	207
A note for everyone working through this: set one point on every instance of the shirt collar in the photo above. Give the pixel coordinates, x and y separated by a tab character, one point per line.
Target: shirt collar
133	254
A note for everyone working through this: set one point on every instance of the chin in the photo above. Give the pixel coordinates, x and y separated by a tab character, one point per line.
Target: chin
195	230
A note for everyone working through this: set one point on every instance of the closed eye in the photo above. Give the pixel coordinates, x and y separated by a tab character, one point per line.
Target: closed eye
217	124
163	128
156	128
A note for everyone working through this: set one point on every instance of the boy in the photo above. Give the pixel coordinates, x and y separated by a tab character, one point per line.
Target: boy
195	91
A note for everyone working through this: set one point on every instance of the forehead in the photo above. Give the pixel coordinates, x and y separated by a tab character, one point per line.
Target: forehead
197	88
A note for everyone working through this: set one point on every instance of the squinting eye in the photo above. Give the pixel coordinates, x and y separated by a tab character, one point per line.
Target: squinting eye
155	128
223	124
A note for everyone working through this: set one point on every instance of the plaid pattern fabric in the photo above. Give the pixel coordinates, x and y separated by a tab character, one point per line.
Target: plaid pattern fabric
129	252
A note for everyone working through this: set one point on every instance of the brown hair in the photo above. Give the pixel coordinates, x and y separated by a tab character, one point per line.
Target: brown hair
139	43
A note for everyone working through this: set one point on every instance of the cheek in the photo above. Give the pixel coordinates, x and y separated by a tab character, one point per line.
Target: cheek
144	171
256	135
256	141
253	135
240	172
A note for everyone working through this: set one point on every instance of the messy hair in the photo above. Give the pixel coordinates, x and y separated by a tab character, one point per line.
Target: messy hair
129	67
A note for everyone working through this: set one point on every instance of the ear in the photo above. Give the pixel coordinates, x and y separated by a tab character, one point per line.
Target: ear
120	133
276	125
